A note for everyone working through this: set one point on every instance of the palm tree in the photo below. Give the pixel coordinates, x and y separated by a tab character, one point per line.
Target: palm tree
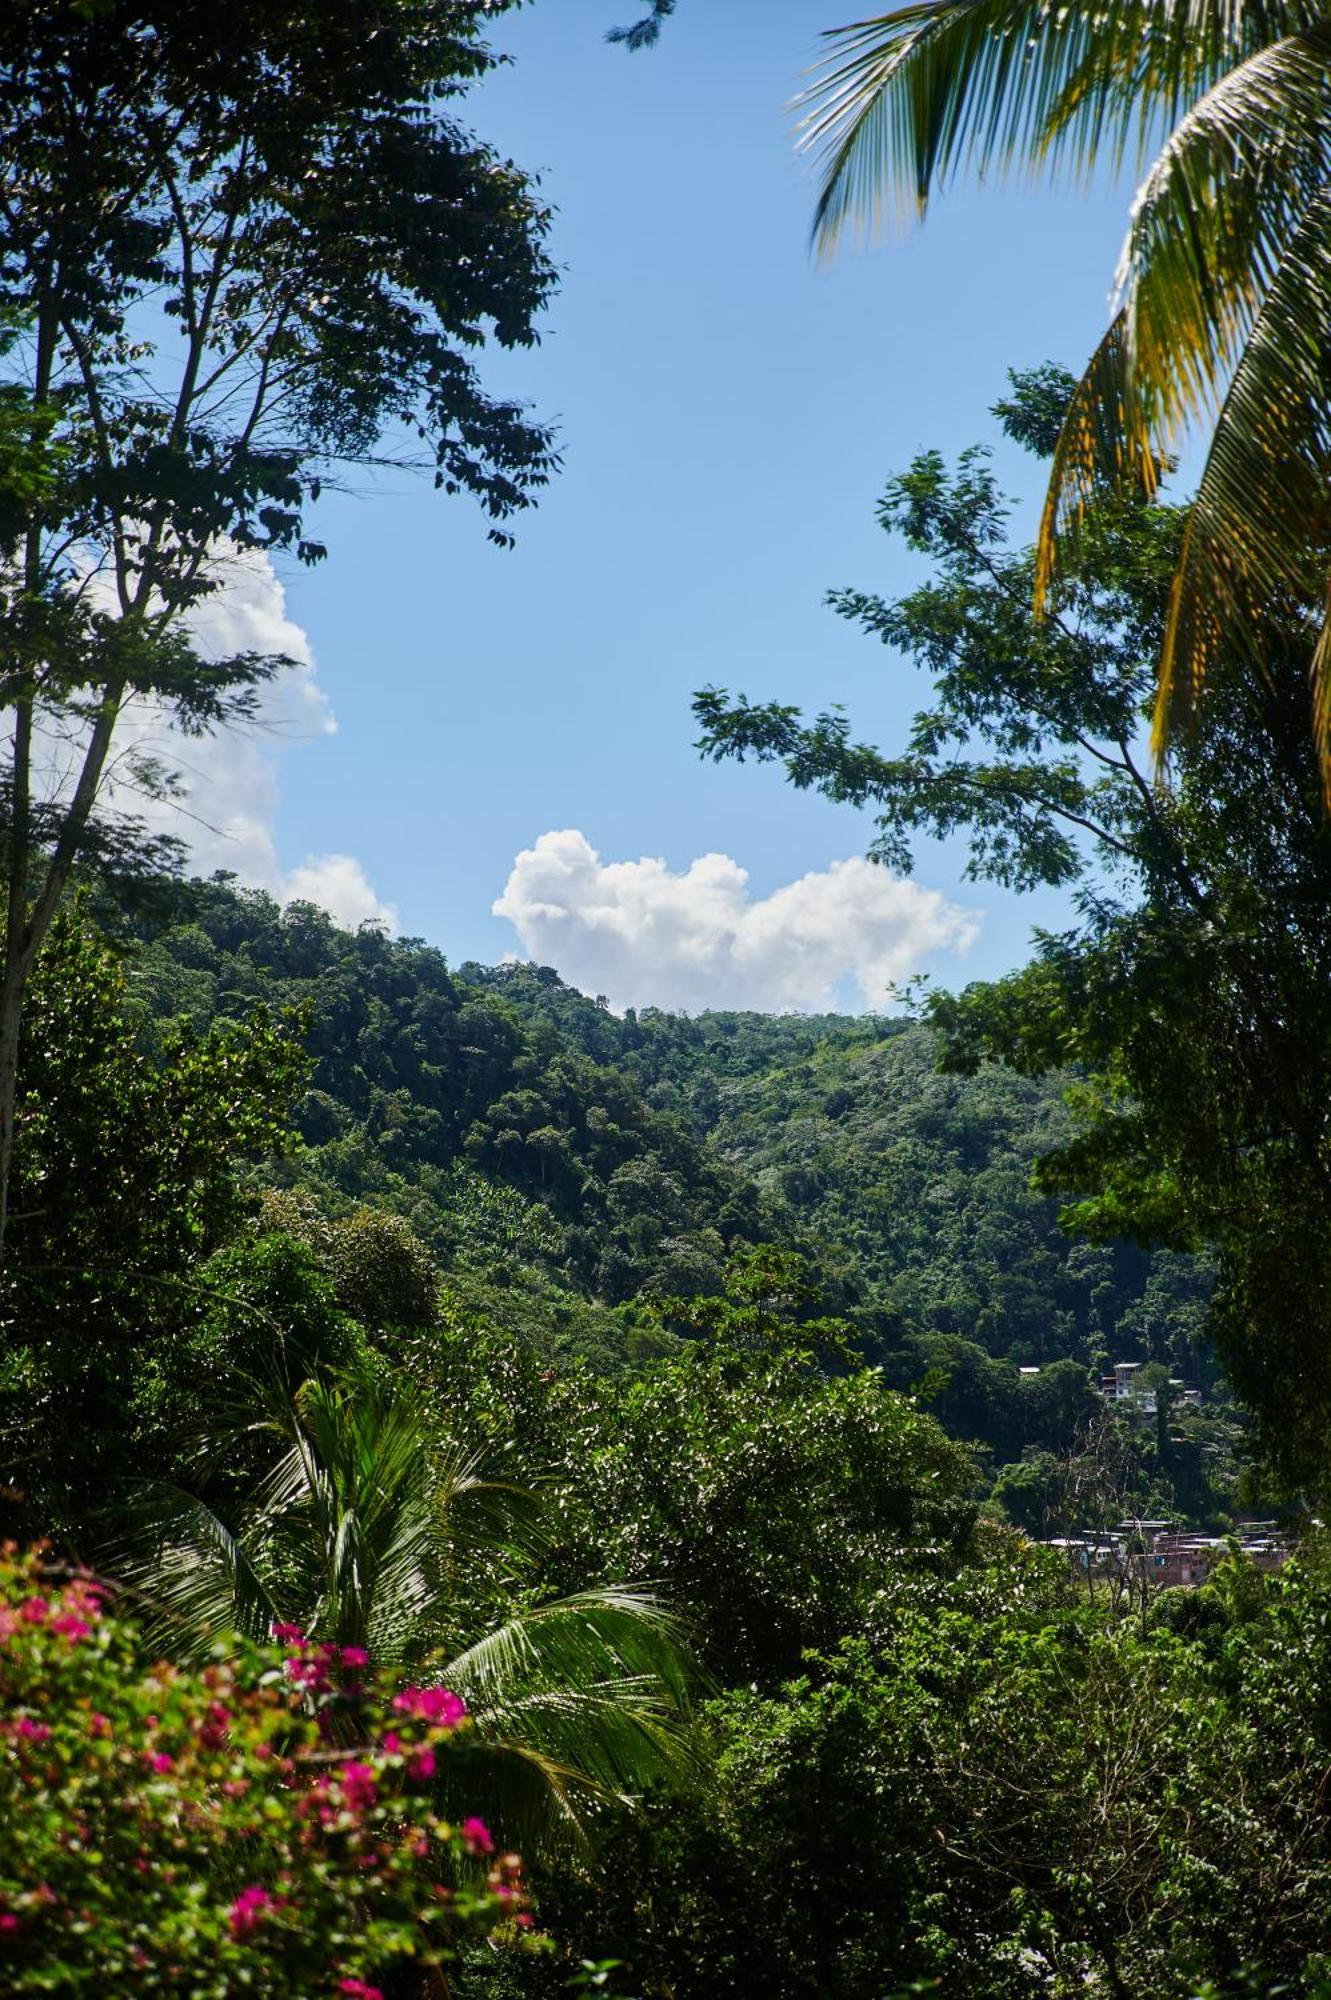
1223	309
365	1533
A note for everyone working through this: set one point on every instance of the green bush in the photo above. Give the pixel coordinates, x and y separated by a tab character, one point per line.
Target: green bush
264	1825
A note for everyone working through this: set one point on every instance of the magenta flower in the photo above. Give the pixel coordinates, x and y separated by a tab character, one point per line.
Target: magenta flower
71	1628
358	1787
8	1923
34	1610
289	1635
83	1599
356	1989
247	1912
355	1656
421	1765
159	1761
213	1733
35	1732
476	1836
307	1674
436	1705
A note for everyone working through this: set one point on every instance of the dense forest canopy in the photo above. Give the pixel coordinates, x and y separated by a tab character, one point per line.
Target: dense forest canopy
630	1152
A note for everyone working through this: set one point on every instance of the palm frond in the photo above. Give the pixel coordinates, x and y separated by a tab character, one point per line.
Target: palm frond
1213	221
197	1580
600	1680
1097	446
1260	524
1146	66
590	1693
580	1700
904	99
577	1640
533	1801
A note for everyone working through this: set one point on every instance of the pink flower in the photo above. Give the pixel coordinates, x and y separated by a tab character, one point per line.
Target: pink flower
476	1836
34	1610
392	1743
355	1656
98	1724
358	1787
421	1765
436	1705
8	1923
159	1761
247	1912
289	1635
71	1628
307	1674
356	1989
213	1733
83	1599
35	1732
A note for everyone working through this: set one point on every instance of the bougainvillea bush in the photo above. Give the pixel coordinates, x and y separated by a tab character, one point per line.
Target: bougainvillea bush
263	1825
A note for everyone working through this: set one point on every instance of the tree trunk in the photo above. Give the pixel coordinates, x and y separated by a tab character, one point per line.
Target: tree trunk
14	971
11	1022
18	943
27	921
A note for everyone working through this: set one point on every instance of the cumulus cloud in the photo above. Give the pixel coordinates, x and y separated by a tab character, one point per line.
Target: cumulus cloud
341	886
644	935
230	780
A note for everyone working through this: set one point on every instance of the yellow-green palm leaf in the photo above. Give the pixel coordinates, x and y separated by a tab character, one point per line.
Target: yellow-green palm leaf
1224	289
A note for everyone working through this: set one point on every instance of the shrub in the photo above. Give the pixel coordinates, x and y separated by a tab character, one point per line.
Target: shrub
265	1824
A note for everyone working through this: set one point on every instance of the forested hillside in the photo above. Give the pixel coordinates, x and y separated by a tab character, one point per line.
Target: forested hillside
576	1175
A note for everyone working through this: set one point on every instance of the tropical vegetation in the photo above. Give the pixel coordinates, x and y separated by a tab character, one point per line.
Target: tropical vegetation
356	1535
504	1498
262	1824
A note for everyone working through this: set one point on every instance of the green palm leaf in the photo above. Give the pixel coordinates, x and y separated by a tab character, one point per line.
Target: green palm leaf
360	1532
197	1580
589	1694
1224	287
905	99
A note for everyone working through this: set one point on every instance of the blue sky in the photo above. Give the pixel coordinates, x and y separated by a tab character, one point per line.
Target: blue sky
729	413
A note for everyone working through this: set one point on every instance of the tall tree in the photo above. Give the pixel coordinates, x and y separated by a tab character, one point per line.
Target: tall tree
126	1181
1193	990
233	255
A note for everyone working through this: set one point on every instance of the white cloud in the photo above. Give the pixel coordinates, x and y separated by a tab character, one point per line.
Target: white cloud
340	884
231	779
645	936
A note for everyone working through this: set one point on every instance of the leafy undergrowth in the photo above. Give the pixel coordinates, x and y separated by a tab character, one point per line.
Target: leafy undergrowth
265	1824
